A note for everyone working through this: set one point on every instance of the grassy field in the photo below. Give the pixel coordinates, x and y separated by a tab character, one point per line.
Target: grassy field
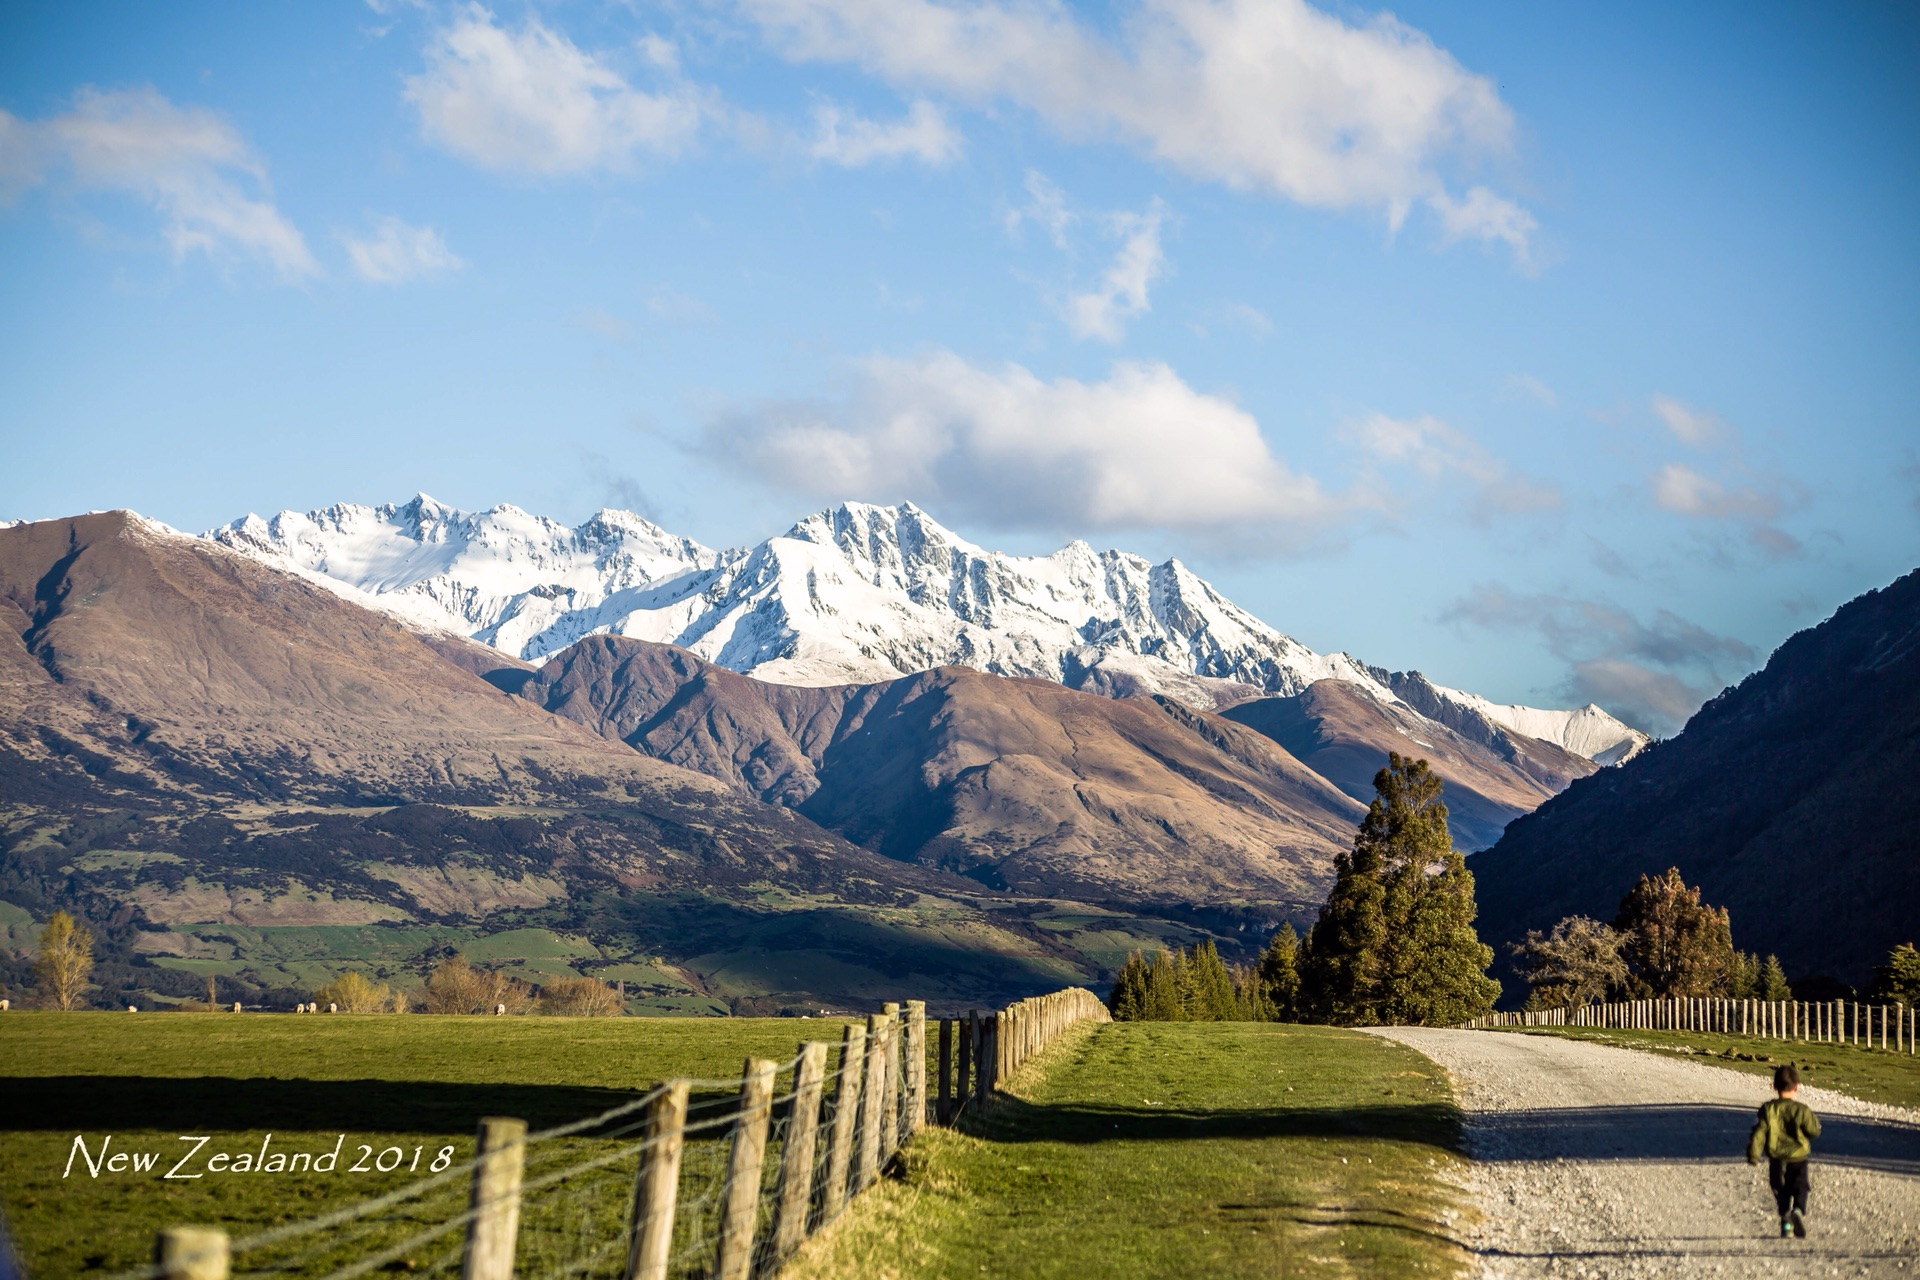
411	1084
1178	1149
1877	1075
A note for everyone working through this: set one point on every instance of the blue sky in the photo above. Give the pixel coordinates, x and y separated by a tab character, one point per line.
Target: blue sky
1562	354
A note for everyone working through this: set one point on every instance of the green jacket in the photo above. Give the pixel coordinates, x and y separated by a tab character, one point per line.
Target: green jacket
1785	1131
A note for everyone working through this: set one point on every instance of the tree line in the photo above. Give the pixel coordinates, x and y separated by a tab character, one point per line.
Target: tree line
1395	942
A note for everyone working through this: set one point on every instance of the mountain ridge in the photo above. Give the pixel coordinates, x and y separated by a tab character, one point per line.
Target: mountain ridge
855	594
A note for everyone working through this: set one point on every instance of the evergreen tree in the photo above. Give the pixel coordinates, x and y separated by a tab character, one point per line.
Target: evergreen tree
1395	941
1128	999
1162	1002
1206	988
1898	980
1279	974
1251	998
1773	981
1675	944
1743	977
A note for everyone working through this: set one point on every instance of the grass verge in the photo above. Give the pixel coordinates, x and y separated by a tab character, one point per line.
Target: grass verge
415	1083
1178	1149
1876	1075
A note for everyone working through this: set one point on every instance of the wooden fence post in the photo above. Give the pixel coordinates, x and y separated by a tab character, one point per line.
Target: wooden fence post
976	1037
656	1185
916	1066
795	1192
890	1099
191	1253
740	1200
872	1101
846	1113
495	1201
943	1105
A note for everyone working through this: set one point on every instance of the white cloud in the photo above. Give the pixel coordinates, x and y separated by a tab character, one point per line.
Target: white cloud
396	252
1680	489
530	102
1271	95
187	163
1689	425
1046	207
852	140
1439	452
1741	495
1482	215
1139	449
1122	292
1534	389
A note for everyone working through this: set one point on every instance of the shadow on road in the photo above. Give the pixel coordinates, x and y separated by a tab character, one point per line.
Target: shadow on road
1680	1131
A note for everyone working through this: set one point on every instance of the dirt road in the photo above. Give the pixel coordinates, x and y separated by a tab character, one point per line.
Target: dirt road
1603	1162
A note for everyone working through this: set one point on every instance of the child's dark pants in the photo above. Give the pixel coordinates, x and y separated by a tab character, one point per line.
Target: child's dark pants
1788	1178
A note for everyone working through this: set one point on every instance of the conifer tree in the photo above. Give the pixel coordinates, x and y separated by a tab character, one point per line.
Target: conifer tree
1898	980
1773	981
1743	977
1279	974
1206	987
1251	998
1128	999
1162	1002
1395	941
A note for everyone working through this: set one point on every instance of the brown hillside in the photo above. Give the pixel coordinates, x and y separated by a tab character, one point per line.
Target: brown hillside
1017	782
1343	734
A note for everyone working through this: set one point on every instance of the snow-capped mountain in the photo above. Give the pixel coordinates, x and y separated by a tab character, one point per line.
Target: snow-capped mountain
859	593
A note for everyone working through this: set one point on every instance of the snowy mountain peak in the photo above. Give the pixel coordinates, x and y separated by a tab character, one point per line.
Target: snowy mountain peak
858	592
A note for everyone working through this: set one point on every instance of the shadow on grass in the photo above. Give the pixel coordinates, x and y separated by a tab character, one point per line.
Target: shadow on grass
211	1104
1011	1119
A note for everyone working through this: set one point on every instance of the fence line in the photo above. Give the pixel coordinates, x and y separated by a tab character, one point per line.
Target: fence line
1893	1027
727	1177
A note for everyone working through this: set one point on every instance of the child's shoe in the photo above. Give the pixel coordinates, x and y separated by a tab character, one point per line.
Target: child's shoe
1799	1223
1786	1228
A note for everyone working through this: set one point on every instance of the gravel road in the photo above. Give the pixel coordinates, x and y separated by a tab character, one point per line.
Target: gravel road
1604	1162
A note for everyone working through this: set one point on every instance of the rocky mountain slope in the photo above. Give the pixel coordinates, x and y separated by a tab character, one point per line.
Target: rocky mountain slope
1790	799
1019	783
1343	731
211	759
853	595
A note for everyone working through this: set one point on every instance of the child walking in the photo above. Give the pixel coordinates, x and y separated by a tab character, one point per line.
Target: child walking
1784	1134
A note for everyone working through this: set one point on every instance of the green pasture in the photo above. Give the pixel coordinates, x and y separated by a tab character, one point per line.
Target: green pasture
1147	1150
1876	1075
390	1082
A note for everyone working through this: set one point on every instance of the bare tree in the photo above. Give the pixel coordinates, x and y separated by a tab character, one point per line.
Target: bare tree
580	997
64	961
356	994
455	986
1578	963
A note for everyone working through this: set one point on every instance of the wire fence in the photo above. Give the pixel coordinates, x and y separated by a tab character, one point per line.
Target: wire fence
692	1180
1893	1027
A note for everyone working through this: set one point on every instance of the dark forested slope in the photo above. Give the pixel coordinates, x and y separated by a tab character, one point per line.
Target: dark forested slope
1793	798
